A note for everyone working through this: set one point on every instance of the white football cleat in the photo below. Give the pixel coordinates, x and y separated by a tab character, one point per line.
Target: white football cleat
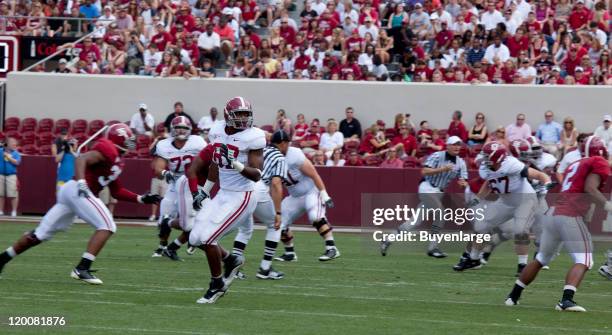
86	276
510	302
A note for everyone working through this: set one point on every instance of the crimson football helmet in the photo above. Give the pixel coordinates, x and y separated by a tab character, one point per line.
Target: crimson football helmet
536	147
520	149
594	146
238	113
493	153
122	137
180	127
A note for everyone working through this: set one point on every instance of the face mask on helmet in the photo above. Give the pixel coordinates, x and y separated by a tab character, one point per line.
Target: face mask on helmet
181	132
536	152
240	118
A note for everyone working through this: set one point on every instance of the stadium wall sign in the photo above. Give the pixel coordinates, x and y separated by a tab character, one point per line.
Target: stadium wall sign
9	55
36	48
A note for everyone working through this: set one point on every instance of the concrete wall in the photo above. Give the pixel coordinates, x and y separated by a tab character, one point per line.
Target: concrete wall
117	97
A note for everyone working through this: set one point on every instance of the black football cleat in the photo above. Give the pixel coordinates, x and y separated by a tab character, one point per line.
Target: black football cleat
569	306
86	276
329	255
172	255
231	266
213	293
384	246
484	259
467	264
1	267
604	270
269	274
436	253
157	252
519	269
287	257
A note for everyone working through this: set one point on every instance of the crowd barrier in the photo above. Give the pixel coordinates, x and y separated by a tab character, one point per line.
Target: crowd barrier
346	186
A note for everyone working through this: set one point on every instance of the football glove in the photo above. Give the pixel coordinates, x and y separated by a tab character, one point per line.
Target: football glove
149	199
83	189
198	197
327	200
168	176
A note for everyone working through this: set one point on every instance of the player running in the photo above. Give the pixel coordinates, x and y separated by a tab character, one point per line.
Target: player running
582	185
173	156
95	169
512	213
237	159
269	195
306	194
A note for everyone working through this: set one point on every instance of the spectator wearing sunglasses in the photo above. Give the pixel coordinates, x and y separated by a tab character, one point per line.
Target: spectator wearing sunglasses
519	130
478	133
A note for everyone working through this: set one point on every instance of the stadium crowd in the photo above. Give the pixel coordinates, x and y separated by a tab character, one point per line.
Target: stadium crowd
564	42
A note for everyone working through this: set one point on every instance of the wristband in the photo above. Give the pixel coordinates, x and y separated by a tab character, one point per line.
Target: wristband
81	181
238	166
324	195
208	186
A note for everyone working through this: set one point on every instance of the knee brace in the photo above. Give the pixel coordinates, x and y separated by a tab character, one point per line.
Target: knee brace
32	239
285	237
319	224
164	228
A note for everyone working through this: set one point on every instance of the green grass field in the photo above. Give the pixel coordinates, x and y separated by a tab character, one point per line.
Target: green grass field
359	293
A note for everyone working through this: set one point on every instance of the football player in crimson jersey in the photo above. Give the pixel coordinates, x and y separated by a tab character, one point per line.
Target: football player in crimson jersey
237	162
172	158
582	185
95	169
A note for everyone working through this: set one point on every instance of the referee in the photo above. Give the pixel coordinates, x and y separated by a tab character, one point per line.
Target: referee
269	195
439	170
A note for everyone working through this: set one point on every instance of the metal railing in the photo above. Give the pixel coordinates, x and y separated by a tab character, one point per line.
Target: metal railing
4	21
2	103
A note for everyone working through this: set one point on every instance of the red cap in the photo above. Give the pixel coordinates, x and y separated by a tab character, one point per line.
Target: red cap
380	123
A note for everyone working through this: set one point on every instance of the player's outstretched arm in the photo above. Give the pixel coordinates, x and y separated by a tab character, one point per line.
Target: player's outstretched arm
540	176
121	193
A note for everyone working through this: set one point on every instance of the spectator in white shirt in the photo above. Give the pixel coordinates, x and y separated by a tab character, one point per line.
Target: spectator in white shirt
497	50
491	17
206	122
366	58
151	58
523	8
209	43
509	22
319	6
336	159
605	131
142	123
368	27
444	16
527	73
332	139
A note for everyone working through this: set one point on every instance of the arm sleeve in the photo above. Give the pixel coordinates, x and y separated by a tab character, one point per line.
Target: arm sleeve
120	193
431	161
601	167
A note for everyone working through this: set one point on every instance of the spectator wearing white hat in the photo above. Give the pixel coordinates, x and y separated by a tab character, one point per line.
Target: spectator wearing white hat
605	131
142	122
62	66
368	27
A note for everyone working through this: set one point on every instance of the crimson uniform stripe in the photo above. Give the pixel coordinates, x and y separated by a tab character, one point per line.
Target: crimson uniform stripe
101	212
183	210
231	219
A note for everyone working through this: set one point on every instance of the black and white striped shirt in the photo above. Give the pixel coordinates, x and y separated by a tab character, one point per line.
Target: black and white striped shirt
274	165
440	159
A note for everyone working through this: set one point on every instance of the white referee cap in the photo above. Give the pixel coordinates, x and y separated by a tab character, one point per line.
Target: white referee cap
453	140
142	106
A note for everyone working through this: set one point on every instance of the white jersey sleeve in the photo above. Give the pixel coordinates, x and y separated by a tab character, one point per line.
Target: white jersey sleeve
509	178
568	159
545	161
297	183
239	145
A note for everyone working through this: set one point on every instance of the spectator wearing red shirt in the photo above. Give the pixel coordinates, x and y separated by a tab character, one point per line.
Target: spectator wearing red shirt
162	38
579	17
573	59
286	31
444	36
327	22
353	43
226	34
354	160
300	128
88	50
532	23
302	61
250	12
404	142
457	128
248	30
392	161
374	141
435	144
185	18
580	76
311	140
351	68
519	42
192	48
424	132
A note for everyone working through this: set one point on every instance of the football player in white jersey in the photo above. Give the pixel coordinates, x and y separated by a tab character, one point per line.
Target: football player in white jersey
237	164
507	177
172	157
306	194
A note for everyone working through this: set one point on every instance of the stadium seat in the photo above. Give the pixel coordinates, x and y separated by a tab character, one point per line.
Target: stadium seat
412	162
372	160
267	127
29	149
45	138
16	134
45	125
79	126
27	138
80	137
94	126
111	122
61	124
44	150
12	123
142	141
159	128
351	146
390	133
28	124
465	151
